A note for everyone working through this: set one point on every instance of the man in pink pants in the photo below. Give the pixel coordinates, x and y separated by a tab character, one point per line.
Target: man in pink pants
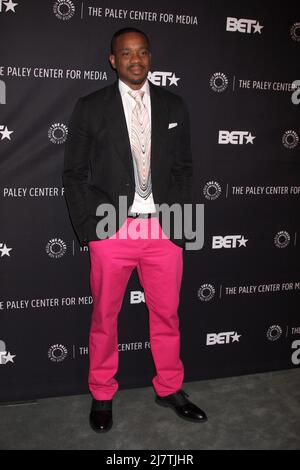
131	139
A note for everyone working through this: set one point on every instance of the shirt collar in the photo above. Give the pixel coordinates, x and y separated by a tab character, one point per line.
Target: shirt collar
125	88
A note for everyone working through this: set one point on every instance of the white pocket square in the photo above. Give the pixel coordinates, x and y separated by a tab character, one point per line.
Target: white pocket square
172	124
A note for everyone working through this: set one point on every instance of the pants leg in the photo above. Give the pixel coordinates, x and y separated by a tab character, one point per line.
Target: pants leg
160	270
112	262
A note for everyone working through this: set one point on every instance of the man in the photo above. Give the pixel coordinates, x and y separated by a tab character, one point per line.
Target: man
131	139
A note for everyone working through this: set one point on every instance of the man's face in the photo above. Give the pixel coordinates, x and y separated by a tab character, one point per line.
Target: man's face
131	59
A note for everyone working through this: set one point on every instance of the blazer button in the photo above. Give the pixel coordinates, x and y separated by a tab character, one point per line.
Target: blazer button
126	184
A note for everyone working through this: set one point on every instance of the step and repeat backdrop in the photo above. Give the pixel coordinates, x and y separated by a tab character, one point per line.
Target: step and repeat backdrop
237	66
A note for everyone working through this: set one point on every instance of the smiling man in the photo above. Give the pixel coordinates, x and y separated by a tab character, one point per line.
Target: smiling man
130	56
131	140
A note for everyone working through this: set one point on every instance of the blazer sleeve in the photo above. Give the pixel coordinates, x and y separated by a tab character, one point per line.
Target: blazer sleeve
182	169
76	170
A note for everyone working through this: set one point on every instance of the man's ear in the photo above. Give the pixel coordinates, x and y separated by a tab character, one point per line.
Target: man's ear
112	61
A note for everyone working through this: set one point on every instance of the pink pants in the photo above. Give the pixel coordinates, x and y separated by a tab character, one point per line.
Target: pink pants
159	266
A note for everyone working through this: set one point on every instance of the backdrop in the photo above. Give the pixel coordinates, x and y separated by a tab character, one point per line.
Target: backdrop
236	64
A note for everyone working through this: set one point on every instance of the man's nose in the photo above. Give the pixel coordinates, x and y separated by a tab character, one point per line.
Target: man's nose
135	58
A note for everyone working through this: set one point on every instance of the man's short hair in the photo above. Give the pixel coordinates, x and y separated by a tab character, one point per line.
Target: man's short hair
124	31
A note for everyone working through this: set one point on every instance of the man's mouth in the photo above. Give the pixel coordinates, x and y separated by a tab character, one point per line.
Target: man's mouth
136	68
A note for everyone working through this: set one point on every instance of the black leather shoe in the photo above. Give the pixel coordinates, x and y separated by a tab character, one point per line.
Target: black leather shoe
182	406
101	415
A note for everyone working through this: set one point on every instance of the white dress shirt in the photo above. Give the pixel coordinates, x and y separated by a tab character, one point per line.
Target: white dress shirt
139	205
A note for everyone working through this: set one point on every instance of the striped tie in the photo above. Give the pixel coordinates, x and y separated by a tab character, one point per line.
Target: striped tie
141	145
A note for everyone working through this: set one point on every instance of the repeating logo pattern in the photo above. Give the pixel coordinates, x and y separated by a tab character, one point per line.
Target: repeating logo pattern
228	241
57	353
235	137
58	133
212	190
64	9
282	239
295	31
5	133
4	250
206	292
226	337
163	78
218	82
9	6
243	25
56	248
5	356
290	139
274	332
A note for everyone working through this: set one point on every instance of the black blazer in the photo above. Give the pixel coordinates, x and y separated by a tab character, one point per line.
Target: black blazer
98	166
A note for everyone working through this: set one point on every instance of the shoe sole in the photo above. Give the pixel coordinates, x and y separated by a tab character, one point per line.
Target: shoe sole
101	431
191	420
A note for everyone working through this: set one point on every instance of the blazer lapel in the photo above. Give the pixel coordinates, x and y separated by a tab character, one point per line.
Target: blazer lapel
116	124
159	132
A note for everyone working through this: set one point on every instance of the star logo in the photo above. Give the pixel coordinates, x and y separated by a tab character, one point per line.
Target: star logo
4	250
173	80
235	337
5	133
250	138
257	28
9	5
9	358
243	241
